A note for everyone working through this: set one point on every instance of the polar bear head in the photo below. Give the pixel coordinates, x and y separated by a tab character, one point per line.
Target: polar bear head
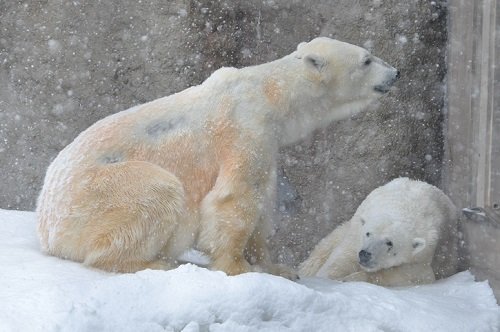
346	74
388	241
331	81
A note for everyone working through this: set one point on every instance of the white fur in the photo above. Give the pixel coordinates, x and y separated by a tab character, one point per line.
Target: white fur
198	168
408	227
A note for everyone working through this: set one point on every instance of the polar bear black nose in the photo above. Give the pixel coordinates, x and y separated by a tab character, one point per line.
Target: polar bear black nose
364	256
398	75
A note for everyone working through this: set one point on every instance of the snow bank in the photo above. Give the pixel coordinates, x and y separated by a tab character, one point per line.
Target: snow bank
40	293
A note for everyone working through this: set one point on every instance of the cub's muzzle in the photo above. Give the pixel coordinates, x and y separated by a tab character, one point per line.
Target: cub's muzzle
364	257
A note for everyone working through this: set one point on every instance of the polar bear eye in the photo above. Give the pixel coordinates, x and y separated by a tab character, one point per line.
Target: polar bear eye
389	243
367	62
368	234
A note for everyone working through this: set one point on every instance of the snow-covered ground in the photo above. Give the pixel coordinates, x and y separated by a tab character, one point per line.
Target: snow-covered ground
41	293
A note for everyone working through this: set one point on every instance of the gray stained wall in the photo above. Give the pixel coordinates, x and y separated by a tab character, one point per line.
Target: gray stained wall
66	64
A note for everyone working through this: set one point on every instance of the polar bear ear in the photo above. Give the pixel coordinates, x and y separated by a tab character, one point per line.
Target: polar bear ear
300	46
315	62
418	245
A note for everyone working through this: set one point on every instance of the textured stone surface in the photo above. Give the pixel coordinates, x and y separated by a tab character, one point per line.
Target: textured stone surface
66	64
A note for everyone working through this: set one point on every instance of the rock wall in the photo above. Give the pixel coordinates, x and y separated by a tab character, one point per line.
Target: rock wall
66	64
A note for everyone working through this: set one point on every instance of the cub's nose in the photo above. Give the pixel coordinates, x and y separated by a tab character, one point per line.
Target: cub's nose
364	256
398	75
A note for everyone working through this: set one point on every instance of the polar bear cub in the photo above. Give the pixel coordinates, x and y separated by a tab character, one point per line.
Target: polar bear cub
403	233
198	168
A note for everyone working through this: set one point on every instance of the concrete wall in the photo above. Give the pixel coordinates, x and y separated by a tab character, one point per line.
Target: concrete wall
471	172
65	64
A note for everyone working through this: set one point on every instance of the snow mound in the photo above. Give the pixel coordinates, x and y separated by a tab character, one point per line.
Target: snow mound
41	293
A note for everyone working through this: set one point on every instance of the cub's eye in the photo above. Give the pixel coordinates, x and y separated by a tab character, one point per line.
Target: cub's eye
367	62
389	243
368	234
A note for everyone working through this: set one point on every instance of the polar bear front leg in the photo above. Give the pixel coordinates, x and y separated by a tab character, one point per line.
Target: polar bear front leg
403	275
235	207
357	276
227	222
257	252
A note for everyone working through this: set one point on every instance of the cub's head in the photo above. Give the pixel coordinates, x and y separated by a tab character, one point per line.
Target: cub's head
345	74
388	241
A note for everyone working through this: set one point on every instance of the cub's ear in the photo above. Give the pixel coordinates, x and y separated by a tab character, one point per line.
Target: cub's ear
315	62
418	245
300	46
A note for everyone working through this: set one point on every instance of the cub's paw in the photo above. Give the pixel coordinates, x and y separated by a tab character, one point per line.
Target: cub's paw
356	276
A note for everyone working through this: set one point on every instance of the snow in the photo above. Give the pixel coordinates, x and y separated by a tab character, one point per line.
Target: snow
54	46
42	293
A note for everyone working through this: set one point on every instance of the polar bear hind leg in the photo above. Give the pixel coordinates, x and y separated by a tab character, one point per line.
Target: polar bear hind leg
133	209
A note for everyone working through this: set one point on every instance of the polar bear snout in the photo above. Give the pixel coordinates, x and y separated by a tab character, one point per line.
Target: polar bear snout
388	82
364	257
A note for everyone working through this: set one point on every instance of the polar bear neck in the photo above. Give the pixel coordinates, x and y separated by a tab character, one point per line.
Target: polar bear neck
304	118
298	106
293	106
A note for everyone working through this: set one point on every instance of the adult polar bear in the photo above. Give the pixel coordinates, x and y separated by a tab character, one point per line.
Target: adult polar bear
403	233
197	168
